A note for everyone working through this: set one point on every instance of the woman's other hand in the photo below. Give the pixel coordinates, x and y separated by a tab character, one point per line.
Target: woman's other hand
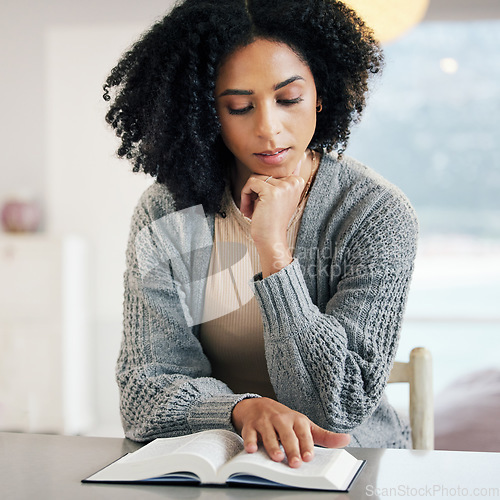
266	420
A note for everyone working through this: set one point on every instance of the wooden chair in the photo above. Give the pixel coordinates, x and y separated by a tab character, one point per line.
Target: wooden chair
418	373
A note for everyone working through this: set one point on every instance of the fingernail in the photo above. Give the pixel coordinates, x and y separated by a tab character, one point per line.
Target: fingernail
307	455
294	461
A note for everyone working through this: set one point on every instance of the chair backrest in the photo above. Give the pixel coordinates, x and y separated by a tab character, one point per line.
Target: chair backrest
418	373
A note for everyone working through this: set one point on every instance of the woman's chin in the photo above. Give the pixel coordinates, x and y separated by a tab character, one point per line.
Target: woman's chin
277	172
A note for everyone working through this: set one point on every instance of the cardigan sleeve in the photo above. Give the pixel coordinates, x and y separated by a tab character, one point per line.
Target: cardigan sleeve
163	375
333	365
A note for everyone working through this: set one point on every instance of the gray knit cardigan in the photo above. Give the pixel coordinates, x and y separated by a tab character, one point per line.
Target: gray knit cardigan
331	318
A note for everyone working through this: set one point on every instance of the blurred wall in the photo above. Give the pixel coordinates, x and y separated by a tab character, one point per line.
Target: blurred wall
54	57
462	10
23	27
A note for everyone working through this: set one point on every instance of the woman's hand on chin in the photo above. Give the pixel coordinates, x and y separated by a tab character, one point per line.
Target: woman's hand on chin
271	203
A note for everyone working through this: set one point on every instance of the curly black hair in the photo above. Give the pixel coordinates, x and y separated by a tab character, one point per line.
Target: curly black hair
162	91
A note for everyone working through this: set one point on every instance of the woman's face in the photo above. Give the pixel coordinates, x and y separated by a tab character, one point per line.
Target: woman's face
266	102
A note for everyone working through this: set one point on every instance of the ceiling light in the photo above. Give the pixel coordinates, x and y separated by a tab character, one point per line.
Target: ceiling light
389	19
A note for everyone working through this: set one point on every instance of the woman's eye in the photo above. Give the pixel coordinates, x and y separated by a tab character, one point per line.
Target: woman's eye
246	109
288	102
239	111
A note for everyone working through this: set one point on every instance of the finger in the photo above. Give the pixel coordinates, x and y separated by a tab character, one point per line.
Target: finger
271	444
306	442
329	439
252	191
247	204
250	439
294	183
266	179
290	444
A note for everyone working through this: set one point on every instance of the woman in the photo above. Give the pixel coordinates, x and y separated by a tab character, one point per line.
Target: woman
266	274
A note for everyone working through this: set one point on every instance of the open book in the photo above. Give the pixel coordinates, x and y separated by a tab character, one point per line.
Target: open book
218	457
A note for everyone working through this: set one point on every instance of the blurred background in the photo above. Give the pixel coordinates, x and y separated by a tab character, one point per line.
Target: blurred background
431	126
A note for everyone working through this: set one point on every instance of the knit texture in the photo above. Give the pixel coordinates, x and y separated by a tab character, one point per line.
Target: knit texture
331	318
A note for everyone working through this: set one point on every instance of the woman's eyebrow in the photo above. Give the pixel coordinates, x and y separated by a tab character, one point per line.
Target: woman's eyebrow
287	82
278	86
236	92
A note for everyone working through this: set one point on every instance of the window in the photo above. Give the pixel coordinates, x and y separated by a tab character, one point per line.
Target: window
432	127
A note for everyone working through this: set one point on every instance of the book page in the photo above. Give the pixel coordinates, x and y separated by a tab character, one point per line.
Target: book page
202	453
156	448
215	446
328	469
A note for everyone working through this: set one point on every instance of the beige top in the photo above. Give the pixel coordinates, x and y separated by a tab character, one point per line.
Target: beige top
231	331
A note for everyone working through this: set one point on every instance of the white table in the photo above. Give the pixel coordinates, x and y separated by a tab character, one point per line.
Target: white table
51	467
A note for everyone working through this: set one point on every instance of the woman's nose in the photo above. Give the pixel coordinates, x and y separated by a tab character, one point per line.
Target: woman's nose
268	123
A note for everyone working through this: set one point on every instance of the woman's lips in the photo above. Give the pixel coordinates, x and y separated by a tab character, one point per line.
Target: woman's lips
274	157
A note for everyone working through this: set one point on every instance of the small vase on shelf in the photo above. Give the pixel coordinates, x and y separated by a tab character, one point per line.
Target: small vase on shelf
21	214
